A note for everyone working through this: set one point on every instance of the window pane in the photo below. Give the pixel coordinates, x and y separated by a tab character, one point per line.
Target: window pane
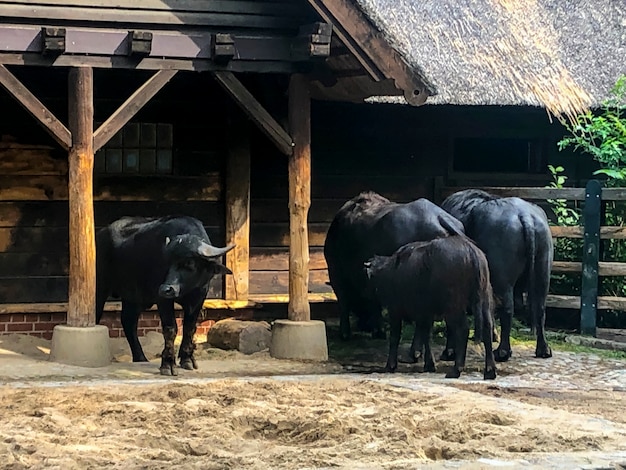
164	161
164	136
116	141
147	161
99	164
131	135
131	160
492	155
113	160
148	135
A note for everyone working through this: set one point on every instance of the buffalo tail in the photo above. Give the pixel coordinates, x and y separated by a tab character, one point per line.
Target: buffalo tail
482	304
528	225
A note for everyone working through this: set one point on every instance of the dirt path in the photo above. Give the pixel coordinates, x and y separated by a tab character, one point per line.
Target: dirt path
255	412
316	423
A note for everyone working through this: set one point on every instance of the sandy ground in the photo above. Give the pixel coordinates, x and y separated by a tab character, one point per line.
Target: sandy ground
222	418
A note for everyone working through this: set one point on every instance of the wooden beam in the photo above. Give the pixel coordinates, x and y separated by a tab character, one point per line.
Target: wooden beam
605	268
62	307
255	111
130	107
82	243
238	211
372	50
573	302
299	198
147	63
44	116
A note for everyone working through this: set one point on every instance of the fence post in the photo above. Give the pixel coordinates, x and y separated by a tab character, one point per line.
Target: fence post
591	250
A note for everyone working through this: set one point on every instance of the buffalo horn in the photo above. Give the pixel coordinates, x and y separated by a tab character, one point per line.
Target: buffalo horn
210	251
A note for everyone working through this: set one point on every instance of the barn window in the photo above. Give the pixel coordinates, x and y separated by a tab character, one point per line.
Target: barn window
513	155
138	148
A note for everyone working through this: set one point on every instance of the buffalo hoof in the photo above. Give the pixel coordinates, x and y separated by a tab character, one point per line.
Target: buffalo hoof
447	355
430	368
415	356
489	374
544	352
168	370
168	367
453	374
188	363
502	355
390	369
142	358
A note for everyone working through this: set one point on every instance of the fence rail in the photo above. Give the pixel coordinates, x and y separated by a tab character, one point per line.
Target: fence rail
591	232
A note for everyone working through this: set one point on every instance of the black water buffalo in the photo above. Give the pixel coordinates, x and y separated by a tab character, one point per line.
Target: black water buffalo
441	279
368	225
157	260
515	236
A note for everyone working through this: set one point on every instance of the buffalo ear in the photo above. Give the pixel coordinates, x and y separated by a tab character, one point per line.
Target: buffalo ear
219	269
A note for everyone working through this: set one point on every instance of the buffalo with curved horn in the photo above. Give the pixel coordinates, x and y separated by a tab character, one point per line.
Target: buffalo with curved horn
162	260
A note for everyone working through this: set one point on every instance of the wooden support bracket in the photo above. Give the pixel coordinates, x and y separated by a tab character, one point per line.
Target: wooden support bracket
246	101
139	43
222	47
36	108
52	40
130	107
313	41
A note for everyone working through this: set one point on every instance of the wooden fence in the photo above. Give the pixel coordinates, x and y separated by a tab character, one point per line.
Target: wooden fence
593	197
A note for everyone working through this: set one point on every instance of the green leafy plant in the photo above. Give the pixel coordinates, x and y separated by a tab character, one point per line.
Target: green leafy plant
565	215
603	135
565	249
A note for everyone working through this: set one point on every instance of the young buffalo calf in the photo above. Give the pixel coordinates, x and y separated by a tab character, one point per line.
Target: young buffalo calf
424	281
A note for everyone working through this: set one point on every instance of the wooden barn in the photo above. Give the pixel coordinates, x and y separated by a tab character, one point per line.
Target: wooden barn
261	118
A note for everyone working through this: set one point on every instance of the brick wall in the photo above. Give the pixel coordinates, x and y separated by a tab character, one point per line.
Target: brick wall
42	324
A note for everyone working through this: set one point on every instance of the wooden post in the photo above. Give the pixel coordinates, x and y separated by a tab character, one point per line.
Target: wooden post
238	210
589	288
299	198
82	266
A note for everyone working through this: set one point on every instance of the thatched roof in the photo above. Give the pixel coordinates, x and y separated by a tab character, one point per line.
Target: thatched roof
559	54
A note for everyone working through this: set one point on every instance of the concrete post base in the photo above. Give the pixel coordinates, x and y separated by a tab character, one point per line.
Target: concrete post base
81	346
304	340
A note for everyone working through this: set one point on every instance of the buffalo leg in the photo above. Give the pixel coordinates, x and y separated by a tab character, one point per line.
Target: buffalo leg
344	316
519	308
537	304
417	345
503	351
193	304
170	329
487	336
375	320
460	332
490	365
394	341
448	353
130	319
425	330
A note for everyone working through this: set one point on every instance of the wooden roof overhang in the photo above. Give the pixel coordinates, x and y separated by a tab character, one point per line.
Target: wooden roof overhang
166	36
237	36
362	62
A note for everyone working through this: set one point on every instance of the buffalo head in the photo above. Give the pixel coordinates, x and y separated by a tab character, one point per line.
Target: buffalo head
192	263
